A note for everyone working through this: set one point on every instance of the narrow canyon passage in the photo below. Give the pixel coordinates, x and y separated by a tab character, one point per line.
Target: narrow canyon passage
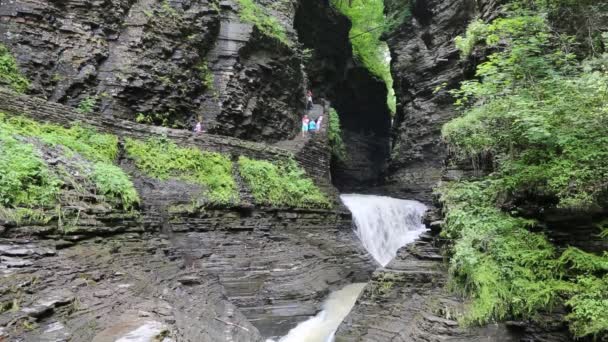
157	182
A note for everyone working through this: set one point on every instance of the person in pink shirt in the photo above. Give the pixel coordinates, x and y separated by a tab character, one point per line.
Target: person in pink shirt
305	121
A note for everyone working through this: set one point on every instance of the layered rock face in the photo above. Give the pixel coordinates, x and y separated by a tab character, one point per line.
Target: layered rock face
133	56
171	269
259	84
407	301
424	57
167	62
357	95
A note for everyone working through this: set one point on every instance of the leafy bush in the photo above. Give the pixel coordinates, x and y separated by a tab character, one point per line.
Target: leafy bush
509	271
163	159
334	134
524	116
9	72
476	32
541	114
282	184
115	184
368	23
252	13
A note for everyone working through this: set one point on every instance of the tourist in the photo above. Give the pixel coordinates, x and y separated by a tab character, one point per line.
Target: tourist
319	121
309	100
312	126
198	128
305	121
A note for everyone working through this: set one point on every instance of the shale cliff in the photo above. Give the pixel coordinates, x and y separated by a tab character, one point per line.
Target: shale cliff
164	62
425	58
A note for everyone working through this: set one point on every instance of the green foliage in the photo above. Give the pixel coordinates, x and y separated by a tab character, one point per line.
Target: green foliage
508	271
589	306
334	134
168	11
368	23
540	114
27	183
205	74
9	72
476	32
87	105
163	159
85	141
255	14
398	12
281	184
115	184
163	119
524	115
24	177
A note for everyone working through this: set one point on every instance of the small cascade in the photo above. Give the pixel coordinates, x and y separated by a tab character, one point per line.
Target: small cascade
385	224
322	327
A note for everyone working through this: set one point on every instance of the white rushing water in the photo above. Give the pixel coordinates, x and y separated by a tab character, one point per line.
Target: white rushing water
385	224
321	328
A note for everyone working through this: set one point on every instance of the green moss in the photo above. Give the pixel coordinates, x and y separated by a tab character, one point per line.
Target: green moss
282	184
368	24
28	183
87	105
25	179
253	13
163	159
9	72
334	135
112	182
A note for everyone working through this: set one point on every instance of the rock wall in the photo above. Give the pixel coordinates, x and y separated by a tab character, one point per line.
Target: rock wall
136	56
168	62
424	57
259	85
193	273
407	301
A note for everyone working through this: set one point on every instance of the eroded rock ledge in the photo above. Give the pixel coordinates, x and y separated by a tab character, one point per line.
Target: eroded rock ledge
192	273
408	301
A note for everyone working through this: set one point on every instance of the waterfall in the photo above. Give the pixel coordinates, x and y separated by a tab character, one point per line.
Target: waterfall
385	224
321	328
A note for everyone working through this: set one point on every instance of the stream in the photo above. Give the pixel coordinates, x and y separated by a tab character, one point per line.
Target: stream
383	224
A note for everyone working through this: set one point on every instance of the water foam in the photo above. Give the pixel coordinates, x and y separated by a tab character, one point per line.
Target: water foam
385	224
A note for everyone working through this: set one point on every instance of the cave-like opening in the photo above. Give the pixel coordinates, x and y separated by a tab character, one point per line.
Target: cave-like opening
358	96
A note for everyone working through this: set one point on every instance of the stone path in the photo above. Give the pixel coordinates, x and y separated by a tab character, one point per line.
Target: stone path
296	144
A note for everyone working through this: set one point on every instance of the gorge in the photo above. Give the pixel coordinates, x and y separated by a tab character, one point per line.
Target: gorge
475	209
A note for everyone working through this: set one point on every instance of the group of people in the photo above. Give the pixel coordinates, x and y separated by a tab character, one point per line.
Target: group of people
310	125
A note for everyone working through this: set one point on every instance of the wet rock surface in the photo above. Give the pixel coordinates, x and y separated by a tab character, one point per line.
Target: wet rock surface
117	287
424	58
195	286
407	301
